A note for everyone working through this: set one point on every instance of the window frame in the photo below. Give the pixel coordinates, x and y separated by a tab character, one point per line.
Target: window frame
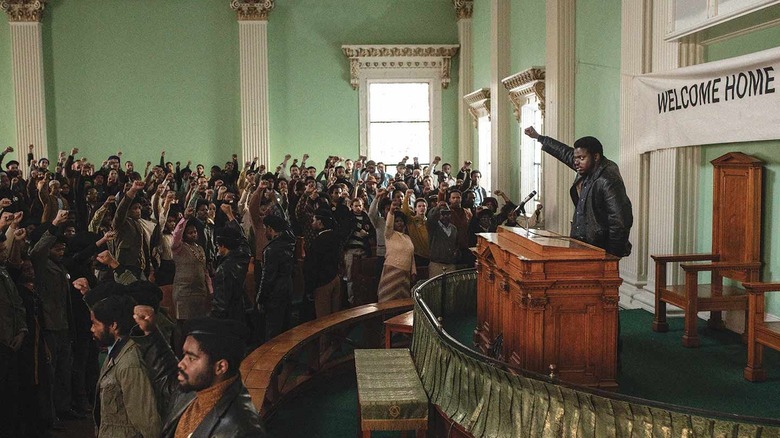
402	76
401	63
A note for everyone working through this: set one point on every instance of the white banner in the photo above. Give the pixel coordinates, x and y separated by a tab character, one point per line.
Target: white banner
734	100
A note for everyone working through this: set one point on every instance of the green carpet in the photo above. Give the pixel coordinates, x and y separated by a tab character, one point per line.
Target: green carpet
655	366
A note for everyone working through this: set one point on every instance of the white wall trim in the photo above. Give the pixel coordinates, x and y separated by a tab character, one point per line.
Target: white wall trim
29	91
253	48
559	111
401	63
464	10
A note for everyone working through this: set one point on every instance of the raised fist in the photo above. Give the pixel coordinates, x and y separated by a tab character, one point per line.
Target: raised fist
106	258
81	284
62	216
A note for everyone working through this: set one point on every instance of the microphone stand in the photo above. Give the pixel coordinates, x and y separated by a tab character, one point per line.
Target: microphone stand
521	211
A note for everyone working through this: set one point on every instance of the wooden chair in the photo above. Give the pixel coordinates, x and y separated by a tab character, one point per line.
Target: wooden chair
736	250
760	333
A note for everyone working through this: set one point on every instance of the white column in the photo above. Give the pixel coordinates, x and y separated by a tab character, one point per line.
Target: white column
673	217
559	111
464	10
634	59
253	50
500	112
27	71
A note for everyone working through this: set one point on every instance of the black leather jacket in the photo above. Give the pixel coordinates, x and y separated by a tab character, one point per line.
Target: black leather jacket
278	265
602	214
233	416
230	301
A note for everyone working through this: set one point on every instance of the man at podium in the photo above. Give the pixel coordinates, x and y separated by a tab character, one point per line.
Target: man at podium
602	215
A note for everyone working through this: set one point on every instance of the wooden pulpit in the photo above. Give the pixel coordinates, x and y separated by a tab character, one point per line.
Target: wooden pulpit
552	301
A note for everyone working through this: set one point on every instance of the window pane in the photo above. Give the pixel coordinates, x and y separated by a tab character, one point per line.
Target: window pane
390	142
398	102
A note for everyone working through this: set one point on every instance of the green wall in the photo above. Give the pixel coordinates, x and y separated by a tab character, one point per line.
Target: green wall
597	74
480	45
766	151
142	76
313	107
7	129
528	40
528	49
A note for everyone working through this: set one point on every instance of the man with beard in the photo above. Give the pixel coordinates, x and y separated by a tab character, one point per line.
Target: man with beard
203	395
125	404
276	285
602	210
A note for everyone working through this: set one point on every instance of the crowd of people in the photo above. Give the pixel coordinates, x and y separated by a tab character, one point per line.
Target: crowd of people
87	247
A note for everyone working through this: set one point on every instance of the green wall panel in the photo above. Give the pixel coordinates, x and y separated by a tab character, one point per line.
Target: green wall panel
7	121
597	74
142	76
313	107
528	38
528	49
767	151
480	44
752	42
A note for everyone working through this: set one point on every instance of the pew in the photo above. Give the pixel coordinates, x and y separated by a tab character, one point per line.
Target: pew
268	371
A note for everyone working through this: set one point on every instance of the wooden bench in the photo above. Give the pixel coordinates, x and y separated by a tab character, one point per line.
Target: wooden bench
403	323
390	394
263	371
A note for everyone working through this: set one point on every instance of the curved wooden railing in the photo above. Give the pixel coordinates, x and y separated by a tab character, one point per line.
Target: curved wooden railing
277	368
487	398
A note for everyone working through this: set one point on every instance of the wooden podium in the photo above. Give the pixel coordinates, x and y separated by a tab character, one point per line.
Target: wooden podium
554	302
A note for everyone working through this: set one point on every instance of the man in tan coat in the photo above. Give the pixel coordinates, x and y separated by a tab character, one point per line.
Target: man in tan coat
126	405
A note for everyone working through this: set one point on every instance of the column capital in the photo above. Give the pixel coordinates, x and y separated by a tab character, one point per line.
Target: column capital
463	8
252	10
23	10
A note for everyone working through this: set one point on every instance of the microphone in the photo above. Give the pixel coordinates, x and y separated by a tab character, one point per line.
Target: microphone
521	207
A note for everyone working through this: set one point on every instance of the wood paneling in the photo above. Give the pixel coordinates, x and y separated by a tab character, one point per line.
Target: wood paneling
553	300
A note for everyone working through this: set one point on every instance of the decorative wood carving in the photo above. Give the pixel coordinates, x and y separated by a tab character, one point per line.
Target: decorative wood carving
400	57
252	10
463	8
561	306
23	10
479	104
736	250
526	83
